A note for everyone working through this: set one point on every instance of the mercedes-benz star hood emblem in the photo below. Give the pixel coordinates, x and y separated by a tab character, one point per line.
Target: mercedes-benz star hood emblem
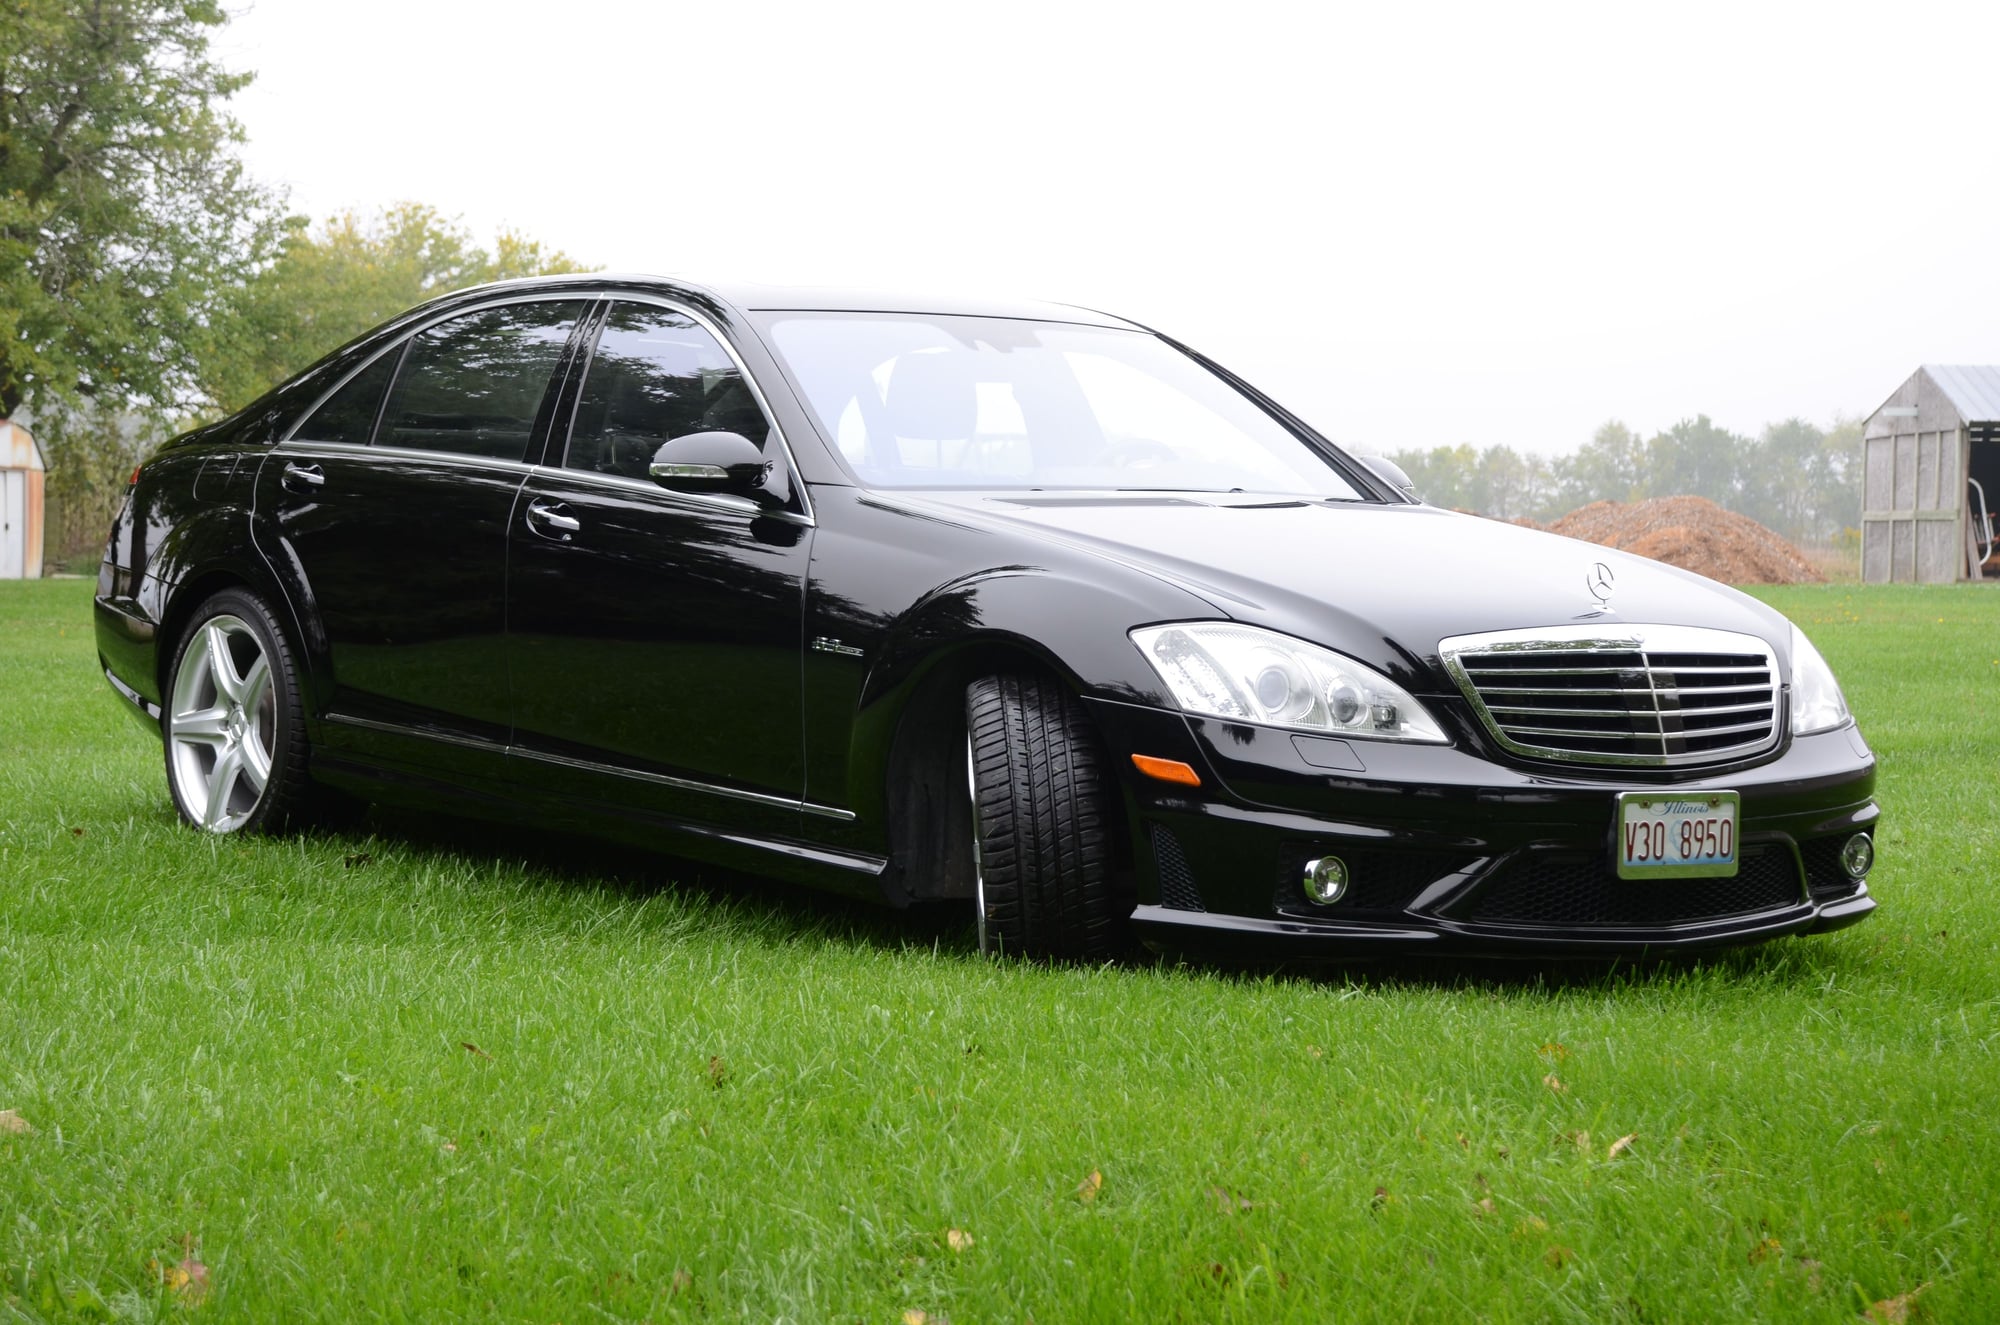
1600	581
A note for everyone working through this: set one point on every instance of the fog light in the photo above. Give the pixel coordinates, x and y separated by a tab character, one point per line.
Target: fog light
1857	855
1325	879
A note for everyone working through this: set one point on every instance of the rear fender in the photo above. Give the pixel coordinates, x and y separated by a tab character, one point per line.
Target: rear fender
210	551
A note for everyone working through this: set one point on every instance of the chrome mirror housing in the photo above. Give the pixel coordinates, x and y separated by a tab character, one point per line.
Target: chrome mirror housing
715	462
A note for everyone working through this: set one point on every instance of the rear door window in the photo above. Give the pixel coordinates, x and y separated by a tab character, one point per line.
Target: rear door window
474	385
348	415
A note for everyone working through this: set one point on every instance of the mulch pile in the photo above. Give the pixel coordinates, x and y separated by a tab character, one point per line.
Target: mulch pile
1694	534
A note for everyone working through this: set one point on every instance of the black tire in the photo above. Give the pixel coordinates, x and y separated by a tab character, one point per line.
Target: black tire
1041	822
205	725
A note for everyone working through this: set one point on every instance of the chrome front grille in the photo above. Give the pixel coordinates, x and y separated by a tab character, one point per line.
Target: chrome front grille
1658	696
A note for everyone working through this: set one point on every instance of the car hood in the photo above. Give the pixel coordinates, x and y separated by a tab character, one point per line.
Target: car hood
1381	583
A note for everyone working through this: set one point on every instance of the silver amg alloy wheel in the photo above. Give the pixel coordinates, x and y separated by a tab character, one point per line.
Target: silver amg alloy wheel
978	873
222	724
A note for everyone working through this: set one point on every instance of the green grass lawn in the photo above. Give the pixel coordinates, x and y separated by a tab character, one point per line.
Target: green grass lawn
432	1071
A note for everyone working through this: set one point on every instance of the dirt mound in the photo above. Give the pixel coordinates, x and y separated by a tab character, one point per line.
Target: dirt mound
1694	534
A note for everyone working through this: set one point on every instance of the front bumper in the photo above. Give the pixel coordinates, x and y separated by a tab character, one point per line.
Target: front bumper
1454	852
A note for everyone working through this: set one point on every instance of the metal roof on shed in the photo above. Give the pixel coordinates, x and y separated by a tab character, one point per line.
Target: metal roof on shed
1973	390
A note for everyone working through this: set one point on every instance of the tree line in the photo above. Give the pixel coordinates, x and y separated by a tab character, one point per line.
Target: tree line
147	282
1802	480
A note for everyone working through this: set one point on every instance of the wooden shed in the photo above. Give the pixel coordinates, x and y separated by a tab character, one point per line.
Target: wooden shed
1931	478
21	472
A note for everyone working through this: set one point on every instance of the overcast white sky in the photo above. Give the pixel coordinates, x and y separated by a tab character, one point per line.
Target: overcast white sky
1414	224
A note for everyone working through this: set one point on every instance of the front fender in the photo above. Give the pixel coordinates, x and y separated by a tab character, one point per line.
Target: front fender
906	606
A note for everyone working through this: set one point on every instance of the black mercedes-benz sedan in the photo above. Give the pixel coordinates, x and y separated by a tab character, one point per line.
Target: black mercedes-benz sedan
1027	606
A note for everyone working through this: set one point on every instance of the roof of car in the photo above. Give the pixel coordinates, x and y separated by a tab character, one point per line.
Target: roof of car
752	297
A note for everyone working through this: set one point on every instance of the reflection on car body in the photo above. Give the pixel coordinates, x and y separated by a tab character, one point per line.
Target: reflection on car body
1021	605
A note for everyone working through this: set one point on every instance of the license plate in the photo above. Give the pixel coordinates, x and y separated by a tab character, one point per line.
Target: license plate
1666	836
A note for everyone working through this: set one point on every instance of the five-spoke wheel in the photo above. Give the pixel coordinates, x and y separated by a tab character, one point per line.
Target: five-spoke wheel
222	727
234	727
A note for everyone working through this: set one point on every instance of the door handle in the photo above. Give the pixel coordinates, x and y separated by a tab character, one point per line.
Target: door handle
302	478
546	516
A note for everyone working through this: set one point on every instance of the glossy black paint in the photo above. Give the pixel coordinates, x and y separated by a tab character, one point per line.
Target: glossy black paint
779	686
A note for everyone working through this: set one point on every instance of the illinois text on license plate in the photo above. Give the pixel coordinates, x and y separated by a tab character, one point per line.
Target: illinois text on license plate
1661	835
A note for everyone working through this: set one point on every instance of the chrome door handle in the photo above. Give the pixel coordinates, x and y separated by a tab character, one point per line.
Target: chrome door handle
548	515
302	478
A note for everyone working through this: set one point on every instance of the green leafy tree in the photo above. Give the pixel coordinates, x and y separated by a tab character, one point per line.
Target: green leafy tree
1512	484
1611	466
1838	510
1697	458
1786	478
125	215
332	283
1443	475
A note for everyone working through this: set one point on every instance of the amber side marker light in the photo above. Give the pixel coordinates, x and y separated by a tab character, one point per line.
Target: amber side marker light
1167	770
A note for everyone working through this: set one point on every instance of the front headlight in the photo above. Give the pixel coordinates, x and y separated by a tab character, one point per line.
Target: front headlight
1253	675
1817	704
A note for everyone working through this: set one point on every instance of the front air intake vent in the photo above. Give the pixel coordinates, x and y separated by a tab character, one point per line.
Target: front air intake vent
1177	890
1652	696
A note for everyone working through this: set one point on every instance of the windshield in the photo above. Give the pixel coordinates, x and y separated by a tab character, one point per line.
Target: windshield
928	401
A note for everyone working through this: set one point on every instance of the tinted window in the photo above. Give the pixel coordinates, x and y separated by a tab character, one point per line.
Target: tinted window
474	384
348	415
655	376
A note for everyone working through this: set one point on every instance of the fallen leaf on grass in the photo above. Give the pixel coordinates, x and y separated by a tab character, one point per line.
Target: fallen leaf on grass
918	1316
475	1050
1227	1202
718	1072
1554	1083
1765	1249
1554	1052
1897	1310
1483	1206
13	1123
1531	1225
1380	1199
1621	1145
682	1281
1581	1140
357	860
186	1279
957	1239
1558	1256
1087	1190
76	832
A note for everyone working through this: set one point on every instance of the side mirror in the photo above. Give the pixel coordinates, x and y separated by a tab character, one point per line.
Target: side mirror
1391	473
715	462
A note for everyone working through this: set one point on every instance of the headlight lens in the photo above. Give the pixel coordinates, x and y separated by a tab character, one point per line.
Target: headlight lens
1253	675
1817	704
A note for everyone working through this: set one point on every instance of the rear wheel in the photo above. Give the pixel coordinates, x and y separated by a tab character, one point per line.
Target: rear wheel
234	724
1041	822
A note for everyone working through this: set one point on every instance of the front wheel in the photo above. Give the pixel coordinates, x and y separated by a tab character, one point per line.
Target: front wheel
1041	822
234	724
